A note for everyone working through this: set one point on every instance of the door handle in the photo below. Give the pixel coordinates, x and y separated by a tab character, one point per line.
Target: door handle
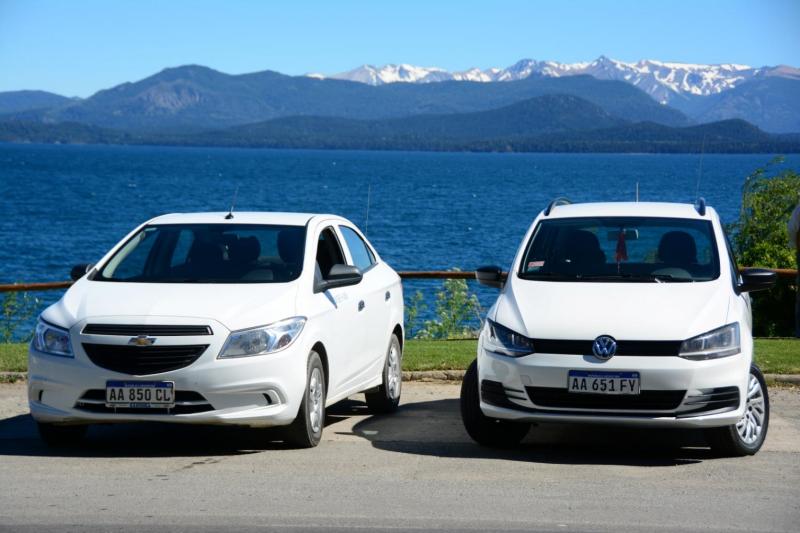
387	296
361	305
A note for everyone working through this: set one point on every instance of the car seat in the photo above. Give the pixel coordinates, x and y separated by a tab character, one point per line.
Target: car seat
677	248
581	253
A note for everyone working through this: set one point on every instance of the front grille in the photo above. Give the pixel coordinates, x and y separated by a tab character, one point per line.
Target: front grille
711	401
646	400
143	360
582	347
132	330
186	402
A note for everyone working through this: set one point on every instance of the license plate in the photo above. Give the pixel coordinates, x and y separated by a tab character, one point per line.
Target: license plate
140	394
588	382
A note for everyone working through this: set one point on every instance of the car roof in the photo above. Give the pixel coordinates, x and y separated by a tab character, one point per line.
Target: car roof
240	217
624	209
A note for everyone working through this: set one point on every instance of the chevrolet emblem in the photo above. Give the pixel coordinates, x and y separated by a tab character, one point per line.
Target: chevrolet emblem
142	340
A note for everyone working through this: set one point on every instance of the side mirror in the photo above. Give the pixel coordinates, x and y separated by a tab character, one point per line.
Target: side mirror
757	279
491	276
340	276
78	271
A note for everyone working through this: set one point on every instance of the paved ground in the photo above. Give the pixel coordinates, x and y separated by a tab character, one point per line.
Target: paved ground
416	470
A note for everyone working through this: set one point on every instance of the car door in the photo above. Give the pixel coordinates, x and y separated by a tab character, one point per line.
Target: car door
343	317
376	295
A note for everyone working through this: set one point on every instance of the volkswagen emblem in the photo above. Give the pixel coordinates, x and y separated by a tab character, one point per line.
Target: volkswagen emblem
604	347
142	340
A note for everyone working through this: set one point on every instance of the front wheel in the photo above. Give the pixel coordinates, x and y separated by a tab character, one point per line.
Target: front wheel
306	430
746	436
484	430
386	398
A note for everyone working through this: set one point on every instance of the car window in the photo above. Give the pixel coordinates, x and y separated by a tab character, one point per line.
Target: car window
209	253
622	249
183	246
362	255
132	258
329	252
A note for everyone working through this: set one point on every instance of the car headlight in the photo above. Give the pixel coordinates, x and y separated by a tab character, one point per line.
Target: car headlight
51	340
263	339
720	342
499	339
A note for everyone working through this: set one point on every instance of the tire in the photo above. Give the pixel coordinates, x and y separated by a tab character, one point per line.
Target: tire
484	430
747	436
306	430
61	436
386	398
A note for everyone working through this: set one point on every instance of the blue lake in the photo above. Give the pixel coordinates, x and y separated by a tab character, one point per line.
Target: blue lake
62	205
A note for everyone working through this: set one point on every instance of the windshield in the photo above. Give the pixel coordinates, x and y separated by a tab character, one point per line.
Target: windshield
209	253
622	249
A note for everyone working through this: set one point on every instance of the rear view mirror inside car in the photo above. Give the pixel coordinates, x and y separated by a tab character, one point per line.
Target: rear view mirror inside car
631	234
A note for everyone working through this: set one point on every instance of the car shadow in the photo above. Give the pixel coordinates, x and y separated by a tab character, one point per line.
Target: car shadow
430	428
20	437
434	428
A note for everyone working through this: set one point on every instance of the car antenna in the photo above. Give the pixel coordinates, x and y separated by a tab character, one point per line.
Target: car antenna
366	222
637	192
233	204
700	169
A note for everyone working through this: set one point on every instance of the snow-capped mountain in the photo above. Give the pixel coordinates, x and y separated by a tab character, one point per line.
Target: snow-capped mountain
409	74
661	80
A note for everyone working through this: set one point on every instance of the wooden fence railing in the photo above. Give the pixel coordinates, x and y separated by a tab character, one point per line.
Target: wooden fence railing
786	273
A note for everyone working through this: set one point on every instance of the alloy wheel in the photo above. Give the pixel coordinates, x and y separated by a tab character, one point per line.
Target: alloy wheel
315	400
751	425
394	375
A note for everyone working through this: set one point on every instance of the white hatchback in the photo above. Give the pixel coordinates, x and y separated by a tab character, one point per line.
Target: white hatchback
621	313
255	319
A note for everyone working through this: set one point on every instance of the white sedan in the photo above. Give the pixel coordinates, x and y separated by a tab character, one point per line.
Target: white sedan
255	319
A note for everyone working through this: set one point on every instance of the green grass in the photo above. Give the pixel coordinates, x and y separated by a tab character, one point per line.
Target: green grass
775	356
778	356
13	357
439	355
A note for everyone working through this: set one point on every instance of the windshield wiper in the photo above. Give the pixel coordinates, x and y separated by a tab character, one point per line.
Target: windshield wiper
667	277
656	278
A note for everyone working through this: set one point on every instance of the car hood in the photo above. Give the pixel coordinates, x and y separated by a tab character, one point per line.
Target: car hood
235	306
630	311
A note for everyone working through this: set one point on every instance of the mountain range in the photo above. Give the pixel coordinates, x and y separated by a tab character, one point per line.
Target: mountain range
680	85
664	81
532	105
196	98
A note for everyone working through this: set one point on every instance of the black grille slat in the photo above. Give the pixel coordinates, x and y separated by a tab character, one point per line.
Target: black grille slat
177	410
492	392
646	400
133	330
720	399
624	348
142	360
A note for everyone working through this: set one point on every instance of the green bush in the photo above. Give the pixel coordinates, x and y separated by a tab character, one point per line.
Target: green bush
760	239
414	307
16	309
457	311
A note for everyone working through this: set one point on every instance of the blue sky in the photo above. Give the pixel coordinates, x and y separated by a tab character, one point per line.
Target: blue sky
78	47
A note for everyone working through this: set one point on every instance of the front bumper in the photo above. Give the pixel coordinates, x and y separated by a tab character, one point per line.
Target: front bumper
257	391
511	387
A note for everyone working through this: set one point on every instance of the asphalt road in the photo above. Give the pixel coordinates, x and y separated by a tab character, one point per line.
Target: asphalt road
413	471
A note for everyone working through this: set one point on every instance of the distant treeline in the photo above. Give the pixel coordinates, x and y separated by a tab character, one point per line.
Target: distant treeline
547	123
